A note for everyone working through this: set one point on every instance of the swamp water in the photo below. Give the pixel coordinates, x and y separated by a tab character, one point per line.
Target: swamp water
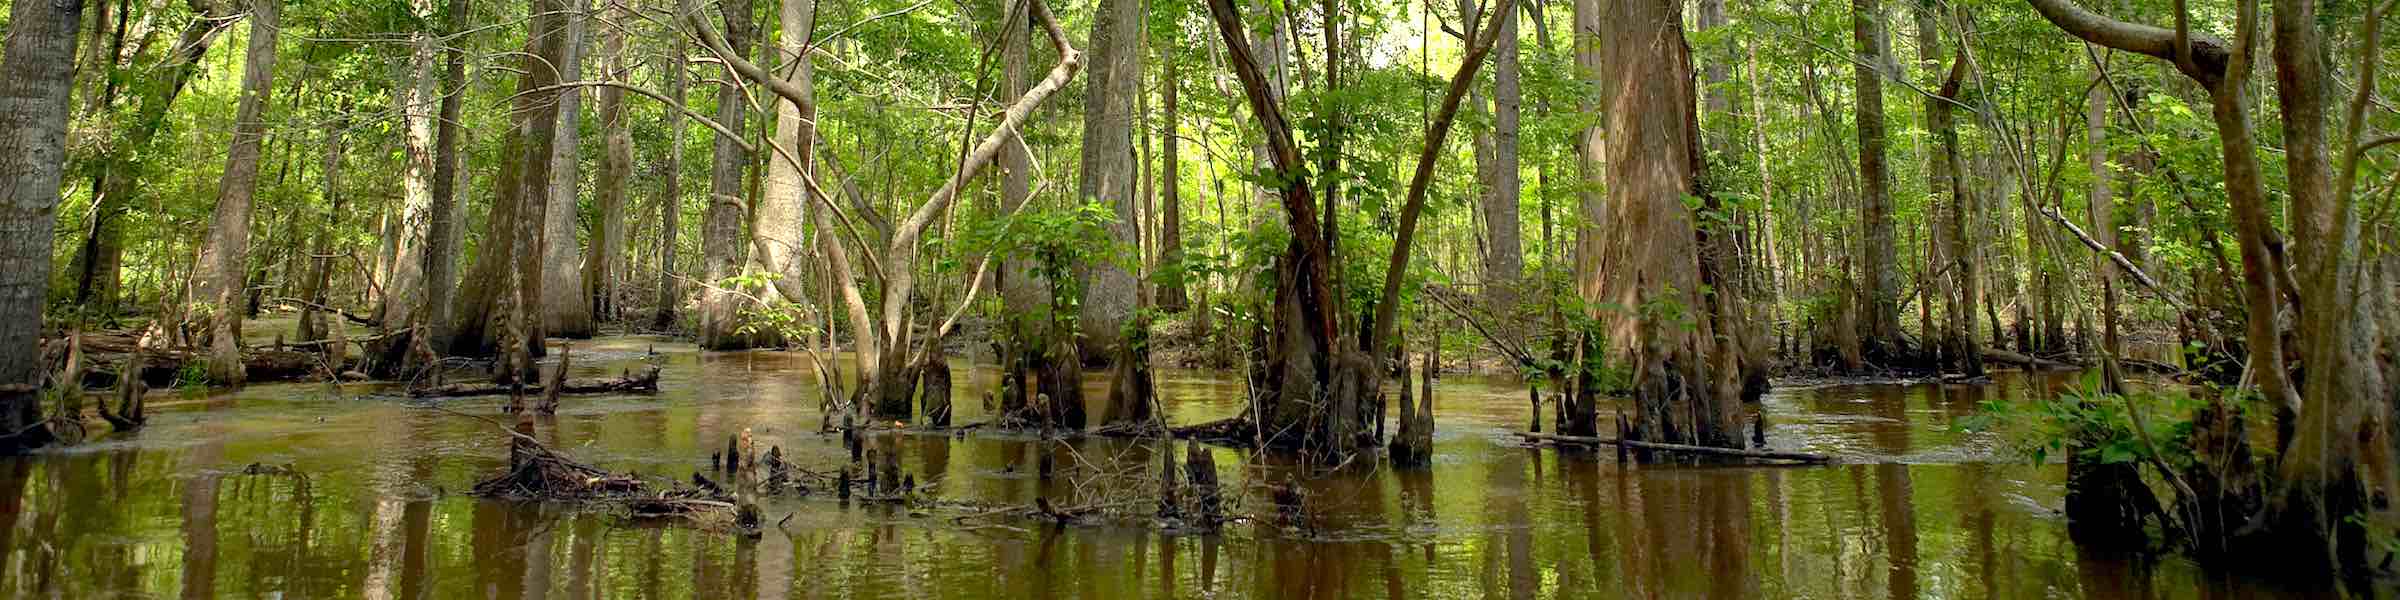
361	494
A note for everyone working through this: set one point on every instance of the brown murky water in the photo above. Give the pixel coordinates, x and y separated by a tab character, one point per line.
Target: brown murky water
376	508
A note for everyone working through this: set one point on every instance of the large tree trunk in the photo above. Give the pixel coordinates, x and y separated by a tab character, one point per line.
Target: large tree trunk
565	310
508	261
604	267
721	252
783	210
1683	380
442	226
1879	297
225	252
1107	173
405	273
670	201
36	80
2340	451
1022	295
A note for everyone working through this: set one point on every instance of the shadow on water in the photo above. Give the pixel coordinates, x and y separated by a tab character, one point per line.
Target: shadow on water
370	506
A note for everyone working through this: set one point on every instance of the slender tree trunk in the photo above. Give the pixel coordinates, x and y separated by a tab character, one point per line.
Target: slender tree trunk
36	80
1879	263
1579	413
1966	282
1504	256
566	310
721	225
670	202
1725	267
1171	295
604	267
441	228
225	254
320	265
2100	200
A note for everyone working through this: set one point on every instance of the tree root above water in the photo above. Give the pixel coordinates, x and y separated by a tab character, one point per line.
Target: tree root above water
537	474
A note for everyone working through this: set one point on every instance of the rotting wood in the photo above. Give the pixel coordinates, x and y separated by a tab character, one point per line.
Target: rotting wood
2028	360
644	381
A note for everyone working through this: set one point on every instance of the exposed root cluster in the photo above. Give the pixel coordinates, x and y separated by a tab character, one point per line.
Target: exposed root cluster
536	473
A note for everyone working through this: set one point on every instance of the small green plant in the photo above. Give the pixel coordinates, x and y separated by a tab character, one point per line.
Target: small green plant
193	374
2094	425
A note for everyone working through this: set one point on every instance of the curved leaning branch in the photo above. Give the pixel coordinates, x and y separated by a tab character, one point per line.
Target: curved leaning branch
2199	56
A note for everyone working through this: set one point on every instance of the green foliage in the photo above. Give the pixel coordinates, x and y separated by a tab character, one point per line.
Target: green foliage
2095	426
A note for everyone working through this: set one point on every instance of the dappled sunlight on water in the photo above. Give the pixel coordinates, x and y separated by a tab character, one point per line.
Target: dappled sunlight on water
373	505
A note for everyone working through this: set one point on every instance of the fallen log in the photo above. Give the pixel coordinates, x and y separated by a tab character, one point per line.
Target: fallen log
2029	361
164	368
643	382
1687	449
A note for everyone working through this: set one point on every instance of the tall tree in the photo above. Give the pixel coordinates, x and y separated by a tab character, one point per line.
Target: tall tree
565	310
1107	173
224	255
320	264
784	208
1171	294
1319	378
1878	252
721	252
2099	201
414	98
1579	411
670	201
99	259
1504	254
505	282
441	245
2340	457
1682	378
604	268
1948	173
36	79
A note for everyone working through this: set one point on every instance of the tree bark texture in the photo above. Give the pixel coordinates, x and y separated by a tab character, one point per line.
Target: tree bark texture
721	224
1107	174
565	310
511	245
1682	380
36	80
224	255
1879	265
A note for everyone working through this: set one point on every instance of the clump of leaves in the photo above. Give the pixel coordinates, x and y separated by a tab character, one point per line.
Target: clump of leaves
2093	425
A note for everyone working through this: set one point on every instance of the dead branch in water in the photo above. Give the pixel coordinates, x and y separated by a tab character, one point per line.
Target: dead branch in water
645	381
1687	449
